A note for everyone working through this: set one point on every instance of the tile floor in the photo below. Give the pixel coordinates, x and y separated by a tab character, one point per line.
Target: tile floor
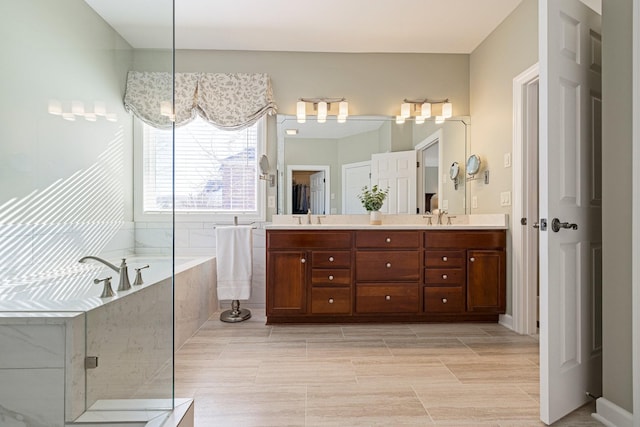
249	374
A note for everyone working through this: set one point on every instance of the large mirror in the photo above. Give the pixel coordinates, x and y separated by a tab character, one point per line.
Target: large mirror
322	167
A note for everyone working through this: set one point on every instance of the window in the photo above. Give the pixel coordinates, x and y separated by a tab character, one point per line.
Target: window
216	171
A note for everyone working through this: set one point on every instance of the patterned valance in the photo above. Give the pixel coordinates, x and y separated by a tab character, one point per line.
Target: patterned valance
228	101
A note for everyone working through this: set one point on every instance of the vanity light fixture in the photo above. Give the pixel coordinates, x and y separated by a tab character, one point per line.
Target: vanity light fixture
423	109
322	106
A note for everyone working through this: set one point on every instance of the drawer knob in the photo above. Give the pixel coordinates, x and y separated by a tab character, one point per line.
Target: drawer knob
472	259
387	297
330	277
330	259
388	265
303	260
388	239
444	300
445	277
445	259
330	300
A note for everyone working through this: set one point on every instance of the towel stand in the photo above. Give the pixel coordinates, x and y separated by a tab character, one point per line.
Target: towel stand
236	314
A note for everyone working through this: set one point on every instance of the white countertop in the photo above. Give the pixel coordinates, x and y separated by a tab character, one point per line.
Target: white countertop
389	222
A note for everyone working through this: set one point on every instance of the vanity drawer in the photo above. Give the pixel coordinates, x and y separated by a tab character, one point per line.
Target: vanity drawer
278	239
444	277
388	239
444	259
331	300
331	259
443	300
375	266
466	239
387	298
331	277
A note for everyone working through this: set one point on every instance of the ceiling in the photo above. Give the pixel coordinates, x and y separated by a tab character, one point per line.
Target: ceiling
421	26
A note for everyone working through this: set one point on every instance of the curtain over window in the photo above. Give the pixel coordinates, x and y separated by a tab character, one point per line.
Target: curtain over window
229	101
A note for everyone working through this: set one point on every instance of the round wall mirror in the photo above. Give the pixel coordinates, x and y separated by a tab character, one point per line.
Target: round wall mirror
473	164
454	170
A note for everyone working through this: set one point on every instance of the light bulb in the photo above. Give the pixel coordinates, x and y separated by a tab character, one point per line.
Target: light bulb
405	110
301	107
343	109
322	112
447	110
341	119
425	111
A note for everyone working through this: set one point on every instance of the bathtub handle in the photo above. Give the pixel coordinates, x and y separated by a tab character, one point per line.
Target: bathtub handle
107	292
138	280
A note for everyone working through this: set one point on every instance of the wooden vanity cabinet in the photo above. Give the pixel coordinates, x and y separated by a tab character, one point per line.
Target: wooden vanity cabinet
388	271
385	275
308	273
478	256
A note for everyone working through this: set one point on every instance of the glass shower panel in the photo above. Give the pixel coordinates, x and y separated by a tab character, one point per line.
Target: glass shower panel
68	192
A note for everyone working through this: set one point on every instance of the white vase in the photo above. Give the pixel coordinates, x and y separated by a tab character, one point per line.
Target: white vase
375	217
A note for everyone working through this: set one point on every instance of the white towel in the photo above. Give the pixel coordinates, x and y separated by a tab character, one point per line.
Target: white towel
234	256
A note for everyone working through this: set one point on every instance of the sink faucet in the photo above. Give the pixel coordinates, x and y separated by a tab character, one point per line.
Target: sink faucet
123	271
440	214
309	216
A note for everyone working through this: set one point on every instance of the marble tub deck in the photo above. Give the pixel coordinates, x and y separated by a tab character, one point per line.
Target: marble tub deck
464	375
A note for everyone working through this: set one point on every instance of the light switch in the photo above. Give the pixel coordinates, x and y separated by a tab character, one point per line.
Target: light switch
445	205
505	198
271	201
507	160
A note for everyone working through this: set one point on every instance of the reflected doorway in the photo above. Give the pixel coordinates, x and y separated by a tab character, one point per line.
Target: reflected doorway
308	188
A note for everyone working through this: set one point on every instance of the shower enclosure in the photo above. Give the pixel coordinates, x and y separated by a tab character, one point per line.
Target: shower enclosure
67	190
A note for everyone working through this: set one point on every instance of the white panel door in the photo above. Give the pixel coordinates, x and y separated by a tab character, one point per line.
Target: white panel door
354	177
398	172
317	189
570	191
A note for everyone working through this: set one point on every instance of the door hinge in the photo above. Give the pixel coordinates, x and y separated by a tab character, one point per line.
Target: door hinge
523	221
91	362
417	164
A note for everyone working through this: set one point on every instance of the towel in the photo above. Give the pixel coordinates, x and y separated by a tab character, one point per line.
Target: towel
234	256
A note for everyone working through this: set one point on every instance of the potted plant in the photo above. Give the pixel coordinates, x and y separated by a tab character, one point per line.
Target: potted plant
372	201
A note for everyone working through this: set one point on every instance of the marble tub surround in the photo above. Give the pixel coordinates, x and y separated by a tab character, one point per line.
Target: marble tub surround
463	375
479	221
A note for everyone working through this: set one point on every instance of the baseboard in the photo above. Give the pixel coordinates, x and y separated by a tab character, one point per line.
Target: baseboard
506	320
611	415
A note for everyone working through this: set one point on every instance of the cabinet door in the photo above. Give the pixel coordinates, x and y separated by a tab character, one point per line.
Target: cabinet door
486	284
287	279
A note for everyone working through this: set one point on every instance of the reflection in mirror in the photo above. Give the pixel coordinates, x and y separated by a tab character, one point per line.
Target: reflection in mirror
339	155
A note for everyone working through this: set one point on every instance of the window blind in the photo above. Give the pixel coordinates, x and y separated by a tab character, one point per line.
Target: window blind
215	170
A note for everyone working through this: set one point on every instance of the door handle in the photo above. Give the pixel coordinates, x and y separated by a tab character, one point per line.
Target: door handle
556	225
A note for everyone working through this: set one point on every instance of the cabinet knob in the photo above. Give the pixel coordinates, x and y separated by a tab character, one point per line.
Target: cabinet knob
303	260
330	277
445	259
387	297
444	300
388	240
330	259
330	300
388	265
472	259
445	277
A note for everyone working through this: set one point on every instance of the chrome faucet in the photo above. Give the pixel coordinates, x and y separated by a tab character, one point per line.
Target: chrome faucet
309	216
123	271
440	214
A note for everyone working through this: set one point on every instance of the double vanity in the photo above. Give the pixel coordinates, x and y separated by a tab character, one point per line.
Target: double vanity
406	270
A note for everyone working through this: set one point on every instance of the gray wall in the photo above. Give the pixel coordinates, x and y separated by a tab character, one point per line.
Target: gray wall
616	203
507	52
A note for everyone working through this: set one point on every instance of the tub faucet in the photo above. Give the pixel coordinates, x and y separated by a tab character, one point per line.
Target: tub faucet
123	271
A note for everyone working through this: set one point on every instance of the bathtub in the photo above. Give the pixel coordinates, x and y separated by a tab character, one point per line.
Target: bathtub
48	327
